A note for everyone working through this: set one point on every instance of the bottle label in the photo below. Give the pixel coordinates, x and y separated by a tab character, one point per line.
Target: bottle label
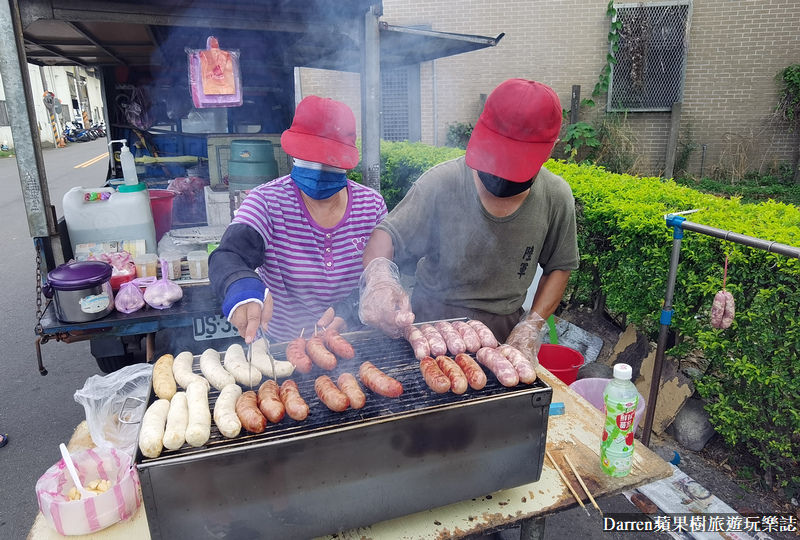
616	448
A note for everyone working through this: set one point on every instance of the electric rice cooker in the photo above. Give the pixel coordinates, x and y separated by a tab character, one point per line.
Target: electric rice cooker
81	290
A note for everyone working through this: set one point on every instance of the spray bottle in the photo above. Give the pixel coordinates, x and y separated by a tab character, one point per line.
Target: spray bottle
127	162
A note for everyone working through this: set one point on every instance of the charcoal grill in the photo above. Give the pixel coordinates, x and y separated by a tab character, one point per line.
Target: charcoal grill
338	471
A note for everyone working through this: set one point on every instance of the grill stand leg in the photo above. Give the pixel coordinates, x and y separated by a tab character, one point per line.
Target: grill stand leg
532	529
150	346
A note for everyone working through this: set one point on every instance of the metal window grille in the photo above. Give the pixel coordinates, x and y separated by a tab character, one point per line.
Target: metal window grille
651	59
394	105
4	120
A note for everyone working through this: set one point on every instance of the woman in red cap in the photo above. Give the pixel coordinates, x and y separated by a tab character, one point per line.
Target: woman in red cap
294	247
476	227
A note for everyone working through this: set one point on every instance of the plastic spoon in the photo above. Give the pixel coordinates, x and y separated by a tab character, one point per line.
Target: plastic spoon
85	493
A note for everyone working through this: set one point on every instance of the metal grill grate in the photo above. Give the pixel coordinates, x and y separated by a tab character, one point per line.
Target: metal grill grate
393	356
651	60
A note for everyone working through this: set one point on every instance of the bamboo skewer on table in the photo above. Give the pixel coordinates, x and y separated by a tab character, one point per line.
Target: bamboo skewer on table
564	478
575	472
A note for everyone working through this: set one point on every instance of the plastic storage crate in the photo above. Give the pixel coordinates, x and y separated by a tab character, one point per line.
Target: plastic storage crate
219	152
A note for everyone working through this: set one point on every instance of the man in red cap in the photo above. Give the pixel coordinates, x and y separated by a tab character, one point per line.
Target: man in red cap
294	247
475	228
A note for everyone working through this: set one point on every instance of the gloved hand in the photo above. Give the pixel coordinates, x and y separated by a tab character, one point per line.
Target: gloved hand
384	303
527	337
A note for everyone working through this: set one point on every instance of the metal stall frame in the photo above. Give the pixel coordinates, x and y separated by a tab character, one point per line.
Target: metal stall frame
377	45
680	224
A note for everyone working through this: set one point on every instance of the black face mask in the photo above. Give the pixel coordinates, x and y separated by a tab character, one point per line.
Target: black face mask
502	188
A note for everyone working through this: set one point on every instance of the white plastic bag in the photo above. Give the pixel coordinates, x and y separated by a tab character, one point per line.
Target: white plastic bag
114	406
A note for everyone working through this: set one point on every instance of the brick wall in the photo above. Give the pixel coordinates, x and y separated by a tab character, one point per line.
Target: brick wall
735	49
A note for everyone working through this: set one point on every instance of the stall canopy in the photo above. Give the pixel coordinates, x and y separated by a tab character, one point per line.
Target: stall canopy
310	33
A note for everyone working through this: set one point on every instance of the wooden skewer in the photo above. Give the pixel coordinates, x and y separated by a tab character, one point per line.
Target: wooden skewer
564	478
575	472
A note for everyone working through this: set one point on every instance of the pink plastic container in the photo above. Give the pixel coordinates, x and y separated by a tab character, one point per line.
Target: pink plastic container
591	390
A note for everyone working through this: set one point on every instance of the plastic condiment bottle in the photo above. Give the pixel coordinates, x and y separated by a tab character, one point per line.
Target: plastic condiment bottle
620	398
127	162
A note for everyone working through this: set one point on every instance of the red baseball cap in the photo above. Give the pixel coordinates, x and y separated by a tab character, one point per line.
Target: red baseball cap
516	131
323	131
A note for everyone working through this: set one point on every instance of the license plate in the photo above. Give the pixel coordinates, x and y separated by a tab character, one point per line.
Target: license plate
213	327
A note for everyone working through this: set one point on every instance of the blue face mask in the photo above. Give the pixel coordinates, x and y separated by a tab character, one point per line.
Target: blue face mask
318	184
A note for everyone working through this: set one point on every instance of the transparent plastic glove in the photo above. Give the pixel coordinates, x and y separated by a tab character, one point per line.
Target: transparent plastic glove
384	303
527	336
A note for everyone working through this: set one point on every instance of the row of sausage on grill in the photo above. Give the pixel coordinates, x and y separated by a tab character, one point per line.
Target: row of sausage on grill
184	417
432	342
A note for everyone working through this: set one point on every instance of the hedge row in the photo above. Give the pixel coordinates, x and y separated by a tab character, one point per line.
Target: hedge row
752	385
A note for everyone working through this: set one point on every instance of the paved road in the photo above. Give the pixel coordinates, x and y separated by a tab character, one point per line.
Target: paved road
39	412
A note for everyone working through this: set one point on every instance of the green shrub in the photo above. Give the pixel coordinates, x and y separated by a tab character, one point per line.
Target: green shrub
402	163
458	134
753	383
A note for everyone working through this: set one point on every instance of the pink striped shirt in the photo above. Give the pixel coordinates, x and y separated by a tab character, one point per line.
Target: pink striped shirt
308	267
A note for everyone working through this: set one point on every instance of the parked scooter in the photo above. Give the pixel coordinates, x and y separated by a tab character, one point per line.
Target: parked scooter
72	134
100	129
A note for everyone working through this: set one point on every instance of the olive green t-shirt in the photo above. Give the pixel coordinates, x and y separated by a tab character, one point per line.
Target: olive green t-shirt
466	257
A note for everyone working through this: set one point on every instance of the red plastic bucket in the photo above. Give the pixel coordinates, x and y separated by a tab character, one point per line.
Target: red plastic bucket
561	361
161	204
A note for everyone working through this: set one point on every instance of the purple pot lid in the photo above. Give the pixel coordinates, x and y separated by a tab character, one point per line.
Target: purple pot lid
75	276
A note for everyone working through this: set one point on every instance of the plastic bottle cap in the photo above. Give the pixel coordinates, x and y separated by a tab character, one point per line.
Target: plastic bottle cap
623	371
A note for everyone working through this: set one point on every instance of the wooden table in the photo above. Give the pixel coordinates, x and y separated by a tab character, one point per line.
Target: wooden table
575	434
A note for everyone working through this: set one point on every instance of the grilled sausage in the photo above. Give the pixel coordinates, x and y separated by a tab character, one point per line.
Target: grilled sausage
296	354
296	407
458	381
455	343
212	369
319	354
269	401
182	370
523	367
435	340
475	375
348	384
418	342
378	381
484	333
163	380
177	420
469	335
249	414
237	365
337	344
225	414
499	365
434	378
330	395
198	430
263	363
154	421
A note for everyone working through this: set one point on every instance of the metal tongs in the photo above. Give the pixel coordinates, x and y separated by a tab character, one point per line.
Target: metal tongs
260	335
